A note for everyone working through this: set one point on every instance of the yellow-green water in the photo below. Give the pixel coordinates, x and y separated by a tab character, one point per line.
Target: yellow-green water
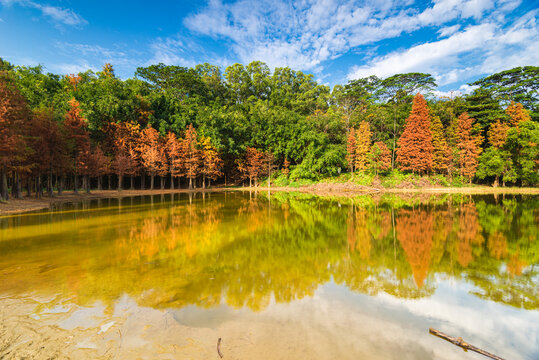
466	265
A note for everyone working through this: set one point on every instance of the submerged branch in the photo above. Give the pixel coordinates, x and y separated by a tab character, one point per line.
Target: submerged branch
463	344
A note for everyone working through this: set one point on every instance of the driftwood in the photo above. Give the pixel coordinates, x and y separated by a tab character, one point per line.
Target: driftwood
463	344
219	348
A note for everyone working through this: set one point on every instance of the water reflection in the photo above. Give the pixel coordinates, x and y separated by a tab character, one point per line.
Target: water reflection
176	250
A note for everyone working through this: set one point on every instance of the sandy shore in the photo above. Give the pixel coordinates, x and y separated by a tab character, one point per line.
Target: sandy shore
323	189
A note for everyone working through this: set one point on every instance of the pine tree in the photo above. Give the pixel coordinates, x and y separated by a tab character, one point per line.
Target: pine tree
363	145
415	149
468	146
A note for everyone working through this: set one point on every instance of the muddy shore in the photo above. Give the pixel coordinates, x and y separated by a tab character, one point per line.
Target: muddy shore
26	204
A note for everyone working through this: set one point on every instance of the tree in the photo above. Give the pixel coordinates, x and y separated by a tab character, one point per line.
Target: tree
189	155
397	91
415	148
50	149
100	165
520	84
440	150
522	144
122	164
252	167
211	161
517	113
286	167
496	160
151	154
172	146
351	148
468	146
380	157
363	145
14	114
78	139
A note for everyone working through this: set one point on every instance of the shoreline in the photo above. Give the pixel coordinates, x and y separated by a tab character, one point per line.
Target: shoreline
17	206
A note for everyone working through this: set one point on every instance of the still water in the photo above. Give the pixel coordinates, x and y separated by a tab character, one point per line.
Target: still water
280	276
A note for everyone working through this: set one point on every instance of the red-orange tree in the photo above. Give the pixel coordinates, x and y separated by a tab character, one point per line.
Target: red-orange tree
517	113
78	139
351	150
380	157
253	165
14	113
468	146
151	156
172	146
211	161
414	150
189	159
440	150
50	152
363	145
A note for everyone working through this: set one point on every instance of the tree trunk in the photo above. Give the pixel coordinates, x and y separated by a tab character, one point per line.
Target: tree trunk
203	181
142	181
495	184
132	180
151	181
162	182
28	186
250	181
120	178
190	183
61	185
39	192
50	188
76	184
88	184
3	187
110	182
99	183
171	182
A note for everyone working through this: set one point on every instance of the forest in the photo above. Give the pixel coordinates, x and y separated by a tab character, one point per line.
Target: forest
178	127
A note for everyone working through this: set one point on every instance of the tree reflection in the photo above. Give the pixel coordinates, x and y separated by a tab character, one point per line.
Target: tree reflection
249	250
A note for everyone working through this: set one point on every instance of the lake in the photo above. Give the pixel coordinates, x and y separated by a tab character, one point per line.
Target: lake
280	276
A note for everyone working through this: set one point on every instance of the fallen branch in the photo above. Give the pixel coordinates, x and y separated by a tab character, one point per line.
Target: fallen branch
219	348
463	344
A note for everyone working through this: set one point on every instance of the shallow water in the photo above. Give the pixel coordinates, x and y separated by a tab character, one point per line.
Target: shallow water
275	276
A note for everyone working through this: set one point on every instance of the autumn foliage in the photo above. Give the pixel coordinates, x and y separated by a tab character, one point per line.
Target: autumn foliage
414	151
469	149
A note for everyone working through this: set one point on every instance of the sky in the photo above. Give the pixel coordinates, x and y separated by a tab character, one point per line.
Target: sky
457	41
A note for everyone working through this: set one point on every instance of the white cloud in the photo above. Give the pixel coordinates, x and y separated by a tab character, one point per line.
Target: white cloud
449	30
304	34
59	15
425	56
478	49
75	68
172	51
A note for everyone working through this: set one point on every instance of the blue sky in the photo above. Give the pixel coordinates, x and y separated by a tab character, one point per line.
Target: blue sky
457	41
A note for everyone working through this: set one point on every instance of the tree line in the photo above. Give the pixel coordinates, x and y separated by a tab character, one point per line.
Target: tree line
200	125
